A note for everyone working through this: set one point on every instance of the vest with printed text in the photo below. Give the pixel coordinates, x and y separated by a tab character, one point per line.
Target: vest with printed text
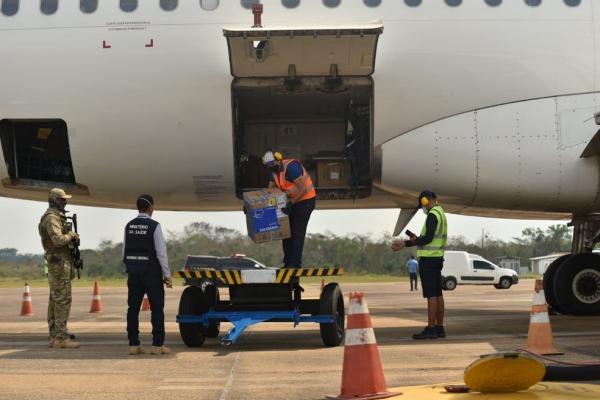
140	253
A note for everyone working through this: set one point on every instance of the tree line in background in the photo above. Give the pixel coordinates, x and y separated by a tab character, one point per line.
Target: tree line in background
359	254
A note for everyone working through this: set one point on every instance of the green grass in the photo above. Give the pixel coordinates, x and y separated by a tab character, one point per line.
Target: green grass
83	282
351	278
530	276
122	282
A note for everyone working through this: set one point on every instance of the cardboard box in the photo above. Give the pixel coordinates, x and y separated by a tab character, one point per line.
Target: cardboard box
333	173
265	219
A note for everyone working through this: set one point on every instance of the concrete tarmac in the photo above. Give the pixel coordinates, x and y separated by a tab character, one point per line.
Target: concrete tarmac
271	360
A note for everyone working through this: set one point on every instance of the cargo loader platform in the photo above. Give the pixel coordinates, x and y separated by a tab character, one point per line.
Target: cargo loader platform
256	294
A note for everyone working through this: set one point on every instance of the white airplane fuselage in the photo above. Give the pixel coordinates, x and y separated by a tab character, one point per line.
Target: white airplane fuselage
491	107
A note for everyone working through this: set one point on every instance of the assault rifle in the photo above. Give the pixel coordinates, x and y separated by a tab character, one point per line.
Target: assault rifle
75	253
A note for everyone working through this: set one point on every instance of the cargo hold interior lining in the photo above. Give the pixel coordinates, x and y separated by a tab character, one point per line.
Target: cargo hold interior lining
36	151
327	125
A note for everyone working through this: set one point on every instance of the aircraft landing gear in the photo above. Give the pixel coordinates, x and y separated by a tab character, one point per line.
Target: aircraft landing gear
572	281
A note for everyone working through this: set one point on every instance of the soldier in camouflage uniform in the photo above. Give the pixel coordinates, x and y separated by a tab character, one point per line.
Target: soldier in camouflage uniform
58	240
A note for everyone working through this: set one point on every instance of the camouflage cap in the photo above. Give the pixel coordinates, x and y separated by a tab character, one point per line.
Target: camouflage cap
58	193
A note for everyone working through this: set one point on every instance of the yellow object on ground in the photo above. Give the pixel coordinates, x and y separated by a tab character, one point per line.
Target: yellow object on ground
504	372
544	390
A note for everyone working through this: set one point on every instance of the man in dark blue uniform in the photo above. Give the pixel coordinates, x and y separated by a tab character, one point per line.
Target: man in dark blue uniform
145	256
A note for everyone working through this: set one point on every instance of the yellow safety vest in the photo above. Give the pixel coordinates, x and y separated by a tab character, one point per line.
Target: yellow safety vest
440	238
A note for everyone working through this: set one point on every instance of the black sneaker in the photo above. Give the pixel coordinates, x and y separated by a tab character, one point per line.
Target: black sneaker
428	333
440	331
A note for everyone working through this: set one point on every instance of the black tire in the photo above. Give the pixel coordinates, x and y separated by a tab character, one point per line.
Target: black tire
505	282
331	302
497	286
193	302
549	283
577	285
449	283
212	294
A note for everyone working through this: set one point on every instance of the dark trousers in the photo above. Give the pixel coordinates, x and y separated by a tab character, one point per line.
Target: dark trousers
292	247
152	285
430	271
413	278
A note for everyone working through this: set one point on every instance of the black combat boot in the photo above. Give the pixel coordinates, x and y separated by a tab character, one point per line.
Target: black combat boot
428	333
440	331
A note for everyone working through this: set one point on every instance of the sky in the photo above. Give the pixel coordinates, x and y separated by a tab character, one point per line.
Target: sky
19	220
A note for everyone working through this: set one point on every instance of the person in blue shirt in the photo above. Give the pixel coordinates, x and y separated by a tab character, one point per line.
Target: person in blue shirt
412	266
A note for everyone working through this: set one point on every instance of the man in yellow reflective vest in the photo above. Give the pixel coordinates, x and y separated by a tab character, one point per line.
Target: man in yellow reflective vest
430	252
290	176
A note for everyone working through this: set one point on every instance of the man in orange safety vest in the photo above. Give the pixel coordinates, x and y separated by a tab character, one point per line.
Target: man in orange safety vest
290	176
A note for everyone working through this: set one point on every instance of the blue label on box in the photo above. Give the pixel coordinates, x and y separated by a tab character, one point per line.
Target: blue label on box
265	219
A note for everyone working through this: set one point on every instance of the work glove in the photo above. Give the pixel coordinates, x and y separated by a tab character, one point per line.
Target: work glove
168	282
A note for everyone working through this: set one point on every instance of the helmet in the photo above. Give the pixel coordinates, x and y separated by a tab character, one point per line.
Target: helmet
271	157
58	193
424	198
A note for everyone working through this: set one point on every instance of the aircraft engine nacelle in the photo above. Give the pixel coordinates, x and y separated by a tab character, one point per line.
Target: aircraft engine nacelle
519	156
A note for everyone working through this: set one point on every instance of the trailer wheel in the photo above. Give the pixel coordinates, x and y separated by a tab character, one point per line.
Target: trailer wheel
193	302
577	284
212	292
331	302
549	283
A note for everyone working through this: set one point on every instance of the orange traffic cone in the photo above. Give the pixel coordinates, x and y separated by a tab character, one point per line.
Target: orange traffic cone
96	306
145	304
539	338
27	306
362	376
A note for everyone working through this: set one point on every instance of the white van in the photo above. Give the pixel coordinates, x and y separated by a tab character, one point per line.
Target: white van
462	268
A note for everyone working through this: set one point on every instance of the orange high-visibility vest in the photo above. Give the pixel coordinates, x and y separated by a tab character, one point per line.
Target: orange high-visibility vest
284	185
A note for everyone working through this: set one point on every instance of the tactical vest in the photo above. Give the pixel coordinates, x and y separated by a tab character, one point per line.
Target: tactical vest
440	238
140	253
47	244
284	185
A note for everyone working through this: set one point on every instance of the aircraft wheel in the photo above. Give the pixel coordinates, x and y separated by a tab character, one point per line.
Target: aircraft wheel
577	284
193	302
549	283
331	302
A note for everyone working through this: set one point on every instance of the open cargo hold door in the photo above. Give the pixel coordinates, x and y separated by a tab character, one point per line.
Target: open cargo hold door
272	52
307	92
